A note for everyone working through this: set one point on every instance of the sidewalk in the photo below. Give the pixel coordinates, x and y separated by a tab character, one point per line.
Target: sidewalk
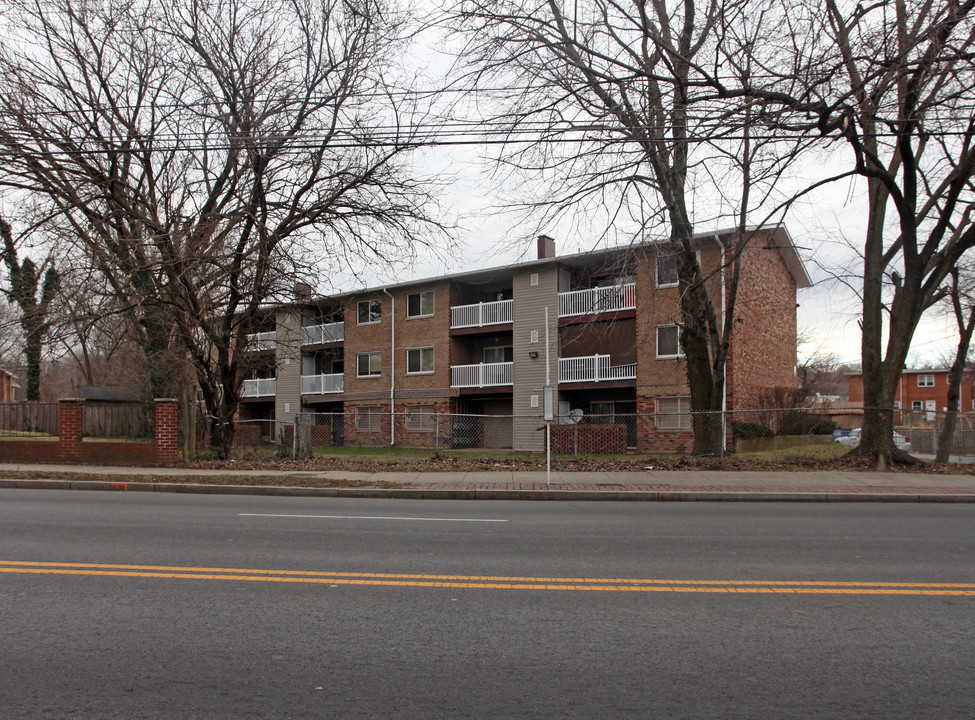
648	485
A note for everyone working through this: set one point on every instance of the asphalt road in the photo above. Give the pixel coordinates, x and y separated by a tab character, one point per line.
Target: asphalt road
117	605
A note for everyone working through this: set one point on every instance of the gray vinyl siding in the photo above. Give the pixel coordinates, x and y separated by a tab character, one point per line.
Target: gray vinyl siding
530	302
288	357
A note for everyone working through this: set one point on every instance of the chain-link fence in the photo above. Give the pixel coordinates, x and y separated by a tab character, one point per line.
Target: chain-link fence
817	433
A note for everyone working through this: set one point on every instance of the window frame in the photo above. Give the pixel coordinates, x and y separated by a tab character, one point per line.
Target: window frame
369	312
369	354
420	295
420	351
421	418
925	377
682	418
680	352
373	416
917	406
660	263
494	348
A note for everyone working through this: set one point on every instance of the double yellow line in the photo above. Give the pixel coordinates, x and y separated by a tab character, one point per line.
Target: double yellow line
781	587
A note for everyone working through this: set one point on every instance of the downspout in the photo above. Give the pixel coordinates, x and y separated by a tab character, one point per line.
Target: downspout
392	371
724	380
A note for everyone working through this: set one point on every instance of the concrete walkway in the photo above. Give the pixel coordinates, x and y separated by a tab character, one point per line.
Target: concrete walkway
505	484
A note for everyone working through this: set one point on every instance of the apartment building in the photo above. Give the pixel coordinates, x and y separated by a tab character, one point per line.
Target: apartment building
601	328
921	390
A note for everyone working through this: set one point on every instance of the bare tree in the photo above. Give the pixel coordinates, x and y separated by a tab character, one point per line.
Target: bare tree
202	154
892	82
32	288
605	106
961	298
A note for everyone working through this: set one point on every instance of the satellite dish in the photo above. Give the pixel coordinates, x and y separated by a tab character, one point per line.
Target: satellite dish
575	415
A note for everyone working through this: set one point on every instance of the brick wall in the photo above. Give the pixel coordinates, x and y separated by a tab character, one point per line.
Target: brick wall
763	346
588	439
71	448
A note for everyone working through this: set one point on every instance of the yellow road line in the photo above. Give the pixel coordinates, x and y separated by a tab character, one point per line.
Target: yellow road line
799	587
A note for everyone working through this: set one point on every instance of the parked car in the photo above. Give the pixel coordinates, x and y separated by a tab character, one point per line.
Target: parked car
853	439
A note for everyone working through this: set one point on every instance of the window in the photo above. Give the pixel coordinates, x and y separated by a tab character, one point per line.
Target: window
419	360
925	380
601	413
666	271
916	405
668	341
368	418
533	336
369	364
499	354
370	311
420	418
674	413
419	304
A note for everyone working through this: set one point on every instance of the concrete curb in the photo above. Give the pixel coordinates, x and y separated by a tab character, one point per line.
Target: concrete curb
492	493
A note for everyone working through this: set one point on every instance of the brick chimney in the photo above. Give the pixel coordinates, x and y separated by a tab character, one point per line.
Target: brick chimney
302	291
546	247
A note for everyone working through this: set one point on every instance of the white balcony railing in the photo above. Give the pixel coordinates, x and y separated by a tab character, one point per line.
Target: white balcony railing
322	384
481	375
259	387
597	300
257	342
481	314
324	333
594	368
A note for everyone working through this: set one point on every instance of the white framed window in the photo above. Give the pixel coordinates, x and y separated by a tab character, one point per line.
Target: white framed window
533	336
369	418
666	271
668	341
369	364
420	418
498	354
673	413
917	405
369	311
925	380
897	404
419	361
420	304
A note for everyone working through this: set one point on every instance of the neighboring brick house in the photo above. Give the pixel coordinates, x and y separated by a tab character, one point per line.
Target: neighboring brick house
922	390
8	384
475	343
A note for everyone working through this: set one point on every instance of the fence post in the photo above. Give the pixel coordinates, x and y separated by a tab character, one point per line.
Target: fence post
166	429
436	436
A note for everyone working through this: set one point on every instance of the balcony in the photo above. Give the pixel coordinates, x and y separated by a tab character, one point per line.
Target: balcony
322	384
597	300
258	342
481	375
259	387
481	314
324	333
594	368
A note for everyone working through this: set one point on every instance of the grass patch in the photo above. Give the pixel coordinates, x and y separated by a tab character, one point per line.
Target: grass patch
799	452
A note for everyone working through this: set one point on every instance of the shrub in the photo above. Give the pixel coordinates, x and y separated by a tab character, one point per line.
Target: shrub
799	422
749	430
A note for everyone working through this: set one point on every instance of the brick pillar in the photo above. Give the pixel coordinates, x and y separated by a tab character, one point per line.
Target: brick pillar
167	427
70	417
